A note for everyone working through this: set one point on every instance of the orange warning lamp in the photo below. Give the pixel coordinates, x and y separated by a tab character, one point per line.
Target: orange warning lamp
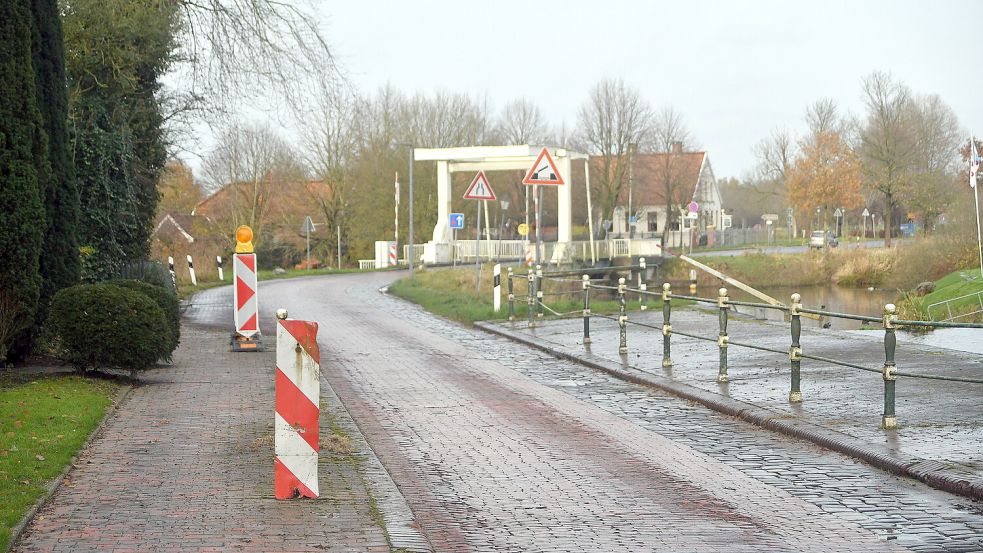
244	239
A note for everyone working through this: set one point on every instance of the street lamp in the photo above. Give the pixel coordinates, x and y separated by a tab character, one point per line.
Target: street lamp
409	257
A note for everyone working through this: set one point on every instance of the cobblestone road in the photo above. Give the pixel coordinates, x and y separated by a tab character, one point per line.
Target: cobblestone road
500	448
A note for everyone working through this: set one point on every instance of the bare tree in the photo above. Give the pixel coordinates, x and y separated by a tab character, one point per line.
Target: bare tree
669	134
614	117
775	155
932	186
888	143
258	166
522	122
237	49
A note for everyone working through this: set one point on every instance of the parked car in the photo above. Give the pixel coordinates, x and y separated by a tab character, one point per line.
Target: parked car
820	239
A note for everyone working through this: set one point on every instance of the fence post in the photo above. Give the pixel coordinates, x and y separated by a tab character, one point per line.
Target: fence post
531	300
889	420
539	291
666	327
642	287
722	338
585	284
511	297
795	352
622	318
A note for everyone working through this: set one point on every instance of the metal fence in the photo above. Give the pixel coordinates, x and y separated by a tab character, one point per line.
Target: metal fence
889	322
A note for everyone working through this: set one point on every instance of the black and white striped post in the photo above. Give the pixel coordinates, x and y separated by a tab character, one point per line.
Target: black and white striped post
191	271
170	267
539	291
497	287
218	263
642	287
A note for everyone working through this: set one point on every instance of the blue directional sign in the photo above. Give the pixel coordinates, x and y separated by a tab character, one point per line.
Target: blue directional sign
457	220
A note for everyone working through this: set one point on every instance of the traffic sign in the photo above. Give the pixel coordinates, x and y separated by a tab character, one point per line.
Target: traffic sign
309	224
769	217
457	221
543	171
479	189
693	207
866	213
523	229
838	213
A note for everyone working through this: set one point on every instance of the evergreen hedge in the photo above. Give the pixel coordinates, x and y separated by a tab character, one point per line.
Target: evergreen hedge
107	326
21	138
168	303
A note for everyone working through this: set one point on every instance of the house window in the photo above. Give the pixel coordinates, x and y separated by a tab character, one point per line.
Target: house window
653	221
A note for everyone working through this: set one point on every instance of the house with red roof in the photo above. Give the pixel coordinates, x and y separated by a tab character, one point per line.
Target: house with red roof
676	189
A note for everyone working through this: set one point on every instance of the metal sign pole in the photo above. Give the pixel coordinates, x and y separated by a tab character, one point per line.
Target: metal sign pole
537	194
477	249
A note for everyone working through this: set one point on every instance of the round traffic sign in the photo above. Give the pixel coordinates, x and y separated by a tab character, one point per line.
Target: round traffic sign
523	229
693	207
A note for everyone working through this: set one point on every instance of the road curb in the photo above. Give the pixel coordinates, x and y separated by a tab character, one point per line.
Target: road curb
933	473
121	395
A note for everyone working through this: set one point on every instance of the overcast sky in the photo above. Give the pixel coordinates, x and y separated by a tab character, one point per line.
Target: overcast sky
735	70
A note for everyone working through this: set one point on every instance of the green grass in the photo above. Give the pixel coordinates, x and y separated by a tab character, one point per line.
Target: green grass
43	423
954	285
268	274
451	293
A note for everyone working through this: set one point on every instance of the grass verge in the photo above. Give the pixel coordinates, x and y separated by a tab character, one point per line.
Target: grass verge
452	294
43	423
959	286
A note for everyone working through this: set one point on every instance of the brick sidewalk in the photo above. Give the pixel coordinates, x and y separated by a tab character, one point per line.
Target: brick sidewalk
186	464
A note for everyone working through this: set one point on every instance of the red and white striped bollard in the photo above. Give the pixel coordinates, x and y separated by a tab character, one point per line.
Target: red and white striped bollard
298	392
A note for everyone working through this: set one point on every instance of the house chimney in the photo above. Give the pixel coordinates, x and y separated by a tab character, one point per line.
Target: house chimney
677	147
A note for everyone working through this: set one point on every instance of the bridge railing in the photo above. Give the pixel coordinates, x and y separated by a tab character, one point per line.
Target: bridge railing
888	321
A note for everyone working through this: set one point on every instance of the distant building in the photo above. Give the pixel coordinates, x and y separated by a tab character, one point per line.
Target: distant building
692	181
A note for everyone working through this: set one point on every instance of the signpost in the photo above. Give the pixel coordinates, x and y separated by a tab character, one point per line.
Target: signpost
865	214
480	189
456	224
542	173
308	229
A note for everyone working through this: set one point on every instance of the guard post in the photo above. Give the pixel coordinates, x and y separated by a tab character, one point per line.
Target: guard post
531	300
889	420
622	319
585	284
539	291
795	351
511	296
298	399
722	338
642	287
666	326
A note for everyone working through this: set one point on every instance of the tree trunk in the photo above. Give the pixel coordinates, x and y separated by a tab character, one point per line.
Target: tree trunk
888	216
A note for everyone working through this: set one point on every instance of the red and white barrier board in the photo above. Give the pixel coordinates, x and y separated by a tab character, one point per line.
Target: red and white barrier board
393	259
298	391
246	314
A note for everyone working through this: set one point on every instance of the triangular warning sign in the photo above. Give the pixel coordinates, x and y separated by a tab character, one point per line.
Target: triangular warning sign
480	189
544	171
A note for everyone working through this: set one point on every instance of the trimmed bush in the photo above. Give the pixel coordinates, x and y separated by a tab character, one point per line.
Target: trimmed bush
108	326
167	301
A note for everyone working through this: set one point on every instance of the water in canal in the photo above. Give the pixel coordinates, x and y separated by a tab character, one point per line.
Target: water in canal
857	301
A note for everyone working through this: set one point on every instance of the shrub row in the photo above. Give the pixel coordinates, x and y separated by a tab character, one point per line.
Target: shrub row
124	324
